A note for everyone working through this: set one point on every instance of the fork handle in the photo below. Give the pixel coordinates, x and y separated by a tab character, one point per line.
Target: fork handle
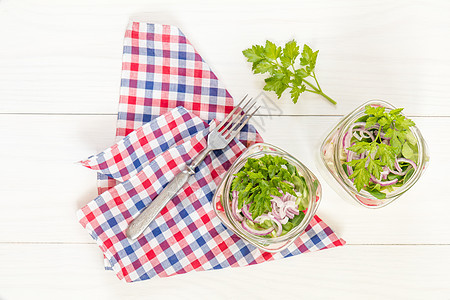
143	220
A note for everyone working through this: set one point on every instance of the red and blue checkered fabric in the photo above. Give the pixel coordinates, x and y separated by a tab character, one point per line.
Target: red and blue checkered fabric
168	97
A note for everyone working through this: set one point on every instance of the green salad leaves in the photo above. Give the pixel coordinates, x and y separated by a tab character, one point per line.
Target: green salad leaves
260	178
390	125
281	64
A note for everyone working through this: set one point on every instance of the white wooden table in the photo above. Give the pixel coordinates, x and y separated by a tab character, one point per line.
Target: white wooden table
60	66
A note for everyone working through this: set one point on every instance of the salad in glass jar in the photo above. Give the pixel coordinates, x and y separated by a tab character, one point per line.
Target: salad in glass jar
375	154
268	196
379	151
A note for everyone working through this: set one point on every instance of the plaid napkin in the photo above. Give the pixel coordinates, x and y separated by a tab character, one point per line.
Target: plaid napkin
169	96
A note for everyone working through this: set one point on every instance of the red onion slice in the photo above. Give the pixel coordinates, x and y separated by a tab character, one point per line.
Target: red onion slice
262	218
254	231
279	226
363	124
288	197
376	126
383	183
289	214
284	220
234	207
397	166
348	135
281	213
349	158
400	173
346	141
275	211
408	161
367	132
289	205
277	200
385	173
293	210
246	212
363	155
399	170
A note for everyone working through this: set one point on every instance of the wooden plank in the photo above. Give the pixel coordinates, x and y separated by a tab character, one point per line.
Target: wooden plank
74	271
42	187
67	58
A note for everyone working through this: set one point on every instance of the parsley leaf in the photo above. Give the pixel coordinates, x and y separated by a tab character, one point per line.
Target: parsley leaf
280	64
262	178
395	126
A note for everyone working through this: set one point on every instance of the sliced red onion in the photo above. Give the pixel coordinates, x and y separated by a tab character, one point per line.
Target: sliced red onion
262	218
277	200
383	183
279	226
234	207
357	136
348	135
281	213
349	158
346	140
254	231
284	220
362	130
363	124
400	173
408	161
372	156
350	155
288	197
289	214
385	173
275	211
363	155
397	166
246	212
290	203
376	126
293	210
285	210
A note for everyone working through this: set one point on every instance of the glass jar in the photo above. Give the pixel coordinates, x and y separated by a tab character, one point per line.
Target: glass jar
332	149
222	201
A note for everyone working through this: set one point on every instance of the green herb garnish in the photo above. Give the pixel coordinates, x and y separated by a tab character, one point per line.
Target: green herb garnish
262	178
402	143
280	64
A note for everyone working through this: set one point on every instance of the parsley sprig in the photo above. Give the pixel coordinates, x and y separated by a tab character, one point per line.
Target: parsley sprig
260	178
395	126
280	63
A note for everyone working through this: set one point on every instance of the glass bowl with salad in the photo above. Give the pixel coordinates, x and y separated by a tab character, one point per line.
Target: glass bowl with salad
267	197
375	154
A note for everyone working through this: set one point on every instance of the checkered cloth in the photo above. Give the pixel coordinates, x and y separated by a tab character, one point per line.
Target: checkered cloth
169	97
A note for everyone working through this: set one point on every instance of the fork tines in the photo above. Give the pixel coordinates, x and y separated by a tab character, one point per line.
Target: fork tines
229	128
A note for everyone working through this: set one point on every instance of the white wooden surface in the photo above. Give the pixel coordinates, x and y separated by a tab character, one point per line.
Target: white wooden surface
59	80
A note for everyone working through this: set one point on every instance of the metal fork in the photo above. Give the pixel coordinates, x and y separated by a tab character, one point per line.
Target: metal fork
218	138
